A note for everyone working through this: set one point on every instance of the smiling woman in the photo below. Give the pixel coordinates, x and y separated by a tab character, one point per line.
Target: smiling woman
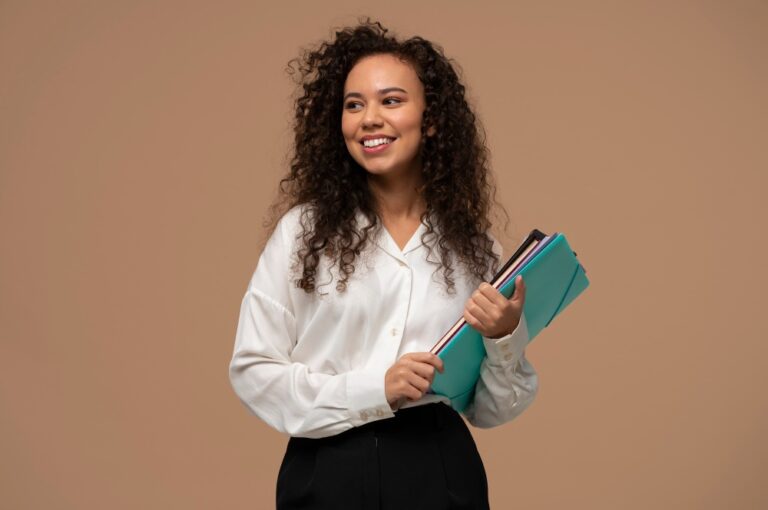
333	173
382	117
388	184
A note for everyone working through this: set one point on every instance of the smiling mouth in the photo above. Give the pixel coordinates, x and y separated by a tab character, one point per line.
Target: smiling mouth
377	149
376	142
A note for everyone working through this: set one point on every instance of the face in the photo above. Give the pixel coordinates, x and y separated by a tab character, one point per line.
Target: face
383	99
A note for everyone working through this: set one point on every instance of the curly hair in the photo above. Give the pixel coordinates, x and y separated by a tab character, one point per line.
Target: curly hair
458	190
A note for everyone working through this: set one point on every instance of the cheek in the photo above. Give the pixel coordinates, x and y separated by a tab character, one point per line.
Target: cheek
347	128
409	121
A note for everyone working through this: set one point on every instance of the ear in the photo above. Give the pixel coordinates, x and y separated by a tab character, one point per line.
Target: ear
431	130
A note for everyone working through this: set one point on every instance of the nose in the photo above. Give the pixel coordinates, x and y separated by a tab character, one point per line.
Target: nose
371	116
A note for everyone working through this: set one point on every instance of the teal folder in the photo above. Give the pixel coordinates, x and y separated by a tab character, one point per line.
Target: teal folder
553	276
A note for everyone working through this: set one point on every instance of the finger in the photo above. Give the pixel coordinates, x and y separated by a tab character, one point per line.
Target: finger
411	394
419	367
425	357
492	294
485	316
487	297
473	321
519	290
408	392
437	362
424	370
417	382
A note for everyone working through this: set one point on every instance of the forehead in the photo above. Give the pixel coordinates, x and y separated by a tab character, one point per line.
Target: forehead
377	72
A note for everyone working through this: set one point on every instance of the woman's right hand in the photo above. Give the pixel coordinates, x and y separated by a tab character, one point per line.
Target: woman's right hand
409	378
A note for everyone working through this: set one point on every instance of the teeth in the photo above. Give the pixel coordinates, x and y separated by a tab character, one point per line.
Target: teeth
376	141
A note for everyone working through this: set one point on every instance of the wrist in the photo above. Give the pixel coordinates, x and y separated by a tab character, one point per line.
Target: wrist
505	332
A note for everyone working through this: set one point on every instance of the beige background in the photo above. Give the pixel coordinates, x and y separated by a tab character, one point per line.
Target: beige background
141	142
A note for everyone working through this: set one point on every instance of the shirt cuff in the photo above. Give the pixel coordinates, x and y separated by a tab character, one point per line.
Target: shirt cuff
507	350
367	398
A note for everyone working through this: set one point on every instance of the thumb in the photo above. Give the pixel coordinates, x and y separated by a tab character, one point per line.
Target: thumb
519	294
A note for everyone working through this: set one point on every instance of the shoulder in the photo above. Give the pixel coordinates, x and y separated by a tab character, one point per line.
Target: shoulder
275	268
290	226
293	219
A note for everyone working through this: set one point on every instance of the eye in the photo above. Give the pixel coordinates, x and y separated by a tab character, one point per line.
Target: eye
350	105
397	100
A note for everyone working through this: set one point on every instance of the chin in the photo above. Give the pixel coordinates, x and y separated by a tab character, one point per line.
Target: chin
380	170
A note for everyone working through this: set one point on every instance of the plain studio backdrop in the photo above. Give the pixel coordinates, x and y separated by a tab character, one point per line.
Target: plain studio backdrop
141	143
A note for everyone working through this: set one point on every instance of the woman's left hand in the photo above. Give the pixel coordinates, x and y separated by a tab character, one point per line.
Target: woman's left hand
493	315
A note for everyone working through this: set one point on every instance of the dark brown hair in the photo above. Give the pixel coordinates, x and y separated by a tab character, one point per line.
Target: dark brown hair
458	190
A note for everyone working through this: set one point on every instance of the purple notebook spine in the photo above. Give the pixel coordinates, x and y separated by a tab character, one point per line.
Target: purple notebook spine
544	242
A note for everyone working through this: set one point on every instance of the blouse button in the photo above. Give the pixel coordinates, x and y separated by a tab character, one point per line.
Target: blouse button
394	332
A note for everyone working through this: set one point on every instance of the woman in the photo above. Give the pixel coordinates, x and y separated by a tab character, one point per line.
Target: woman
381	244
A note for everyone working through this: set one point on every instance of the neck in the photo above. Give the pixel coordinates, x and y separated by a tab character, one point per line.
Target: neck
398	198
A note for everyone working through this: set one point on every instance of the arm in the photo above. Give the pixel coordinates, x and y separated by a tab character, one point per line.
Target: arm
286	394
508	382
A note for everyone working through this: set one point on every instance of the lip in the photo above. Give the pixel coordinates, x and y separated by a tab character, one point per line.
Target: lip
378	148
378	135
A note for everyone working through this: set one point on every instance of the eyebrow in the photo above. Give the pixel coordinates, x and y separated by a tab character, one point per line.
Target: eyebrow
381	92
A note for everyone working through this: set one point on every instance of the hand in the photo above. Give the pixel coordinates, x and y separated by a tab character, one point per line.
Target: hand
493	315
409	378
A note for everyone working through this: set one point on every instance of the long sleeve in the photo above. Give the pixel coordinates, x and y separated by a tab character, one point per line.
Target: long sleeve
508	383
287	394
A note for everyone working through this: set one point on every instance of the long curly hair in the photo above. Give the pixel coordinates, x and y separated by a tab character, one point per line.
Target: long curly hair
458	188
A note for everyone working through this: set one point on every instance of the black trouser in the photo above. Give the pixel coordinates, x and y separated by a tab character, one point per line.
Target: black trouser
424	458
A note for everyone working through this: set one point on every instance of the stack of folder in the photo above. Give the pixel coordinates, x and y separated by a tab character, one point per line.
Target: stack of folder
553	278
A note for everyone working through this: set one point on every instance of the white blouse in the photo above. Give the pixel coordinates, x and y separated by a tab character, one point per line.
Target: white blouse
313	365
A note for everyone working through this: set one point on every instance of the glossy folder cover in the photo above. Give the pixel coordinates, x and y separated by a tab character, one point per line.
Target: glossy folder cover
553	277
